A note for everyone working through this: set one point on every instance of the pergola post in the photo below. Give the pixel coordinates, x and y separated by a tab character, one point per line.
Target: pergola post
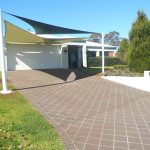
2	60
97	53
103	55
84	55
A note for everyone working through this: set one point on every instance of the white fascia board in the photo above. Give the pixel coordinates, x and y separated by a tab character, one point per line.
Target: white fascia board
89	49
47	36
100	45
74	43
91	44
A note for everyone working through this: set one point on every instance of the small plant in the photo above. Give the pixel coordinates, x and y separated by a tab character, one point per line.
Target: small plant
121	70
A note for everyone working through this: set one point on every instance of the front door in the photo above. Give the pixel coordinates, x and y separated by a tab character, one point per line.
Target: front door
73	56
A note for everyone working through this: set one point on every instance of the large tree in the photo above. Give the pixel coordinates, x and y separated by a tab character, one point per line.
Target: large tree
138	55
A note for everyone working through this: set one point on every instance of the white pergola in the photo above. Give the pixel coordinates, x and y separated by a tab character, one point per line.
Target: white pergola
2	58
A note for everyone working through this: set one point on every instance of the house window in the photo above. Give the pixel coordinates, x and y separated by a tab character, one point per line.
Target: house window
91	53
106	53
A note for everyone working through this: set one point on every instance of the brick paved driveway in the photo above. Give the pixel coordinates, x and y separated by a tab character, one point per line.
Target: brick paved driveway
89	113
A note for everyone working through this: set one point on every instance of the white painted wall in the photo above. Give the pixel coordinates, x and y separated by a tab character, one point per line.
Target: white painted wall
26	57
97	53
84	55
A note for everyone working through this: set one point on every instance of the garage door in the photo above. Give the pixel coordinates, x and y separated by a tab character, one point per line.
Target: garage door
25	57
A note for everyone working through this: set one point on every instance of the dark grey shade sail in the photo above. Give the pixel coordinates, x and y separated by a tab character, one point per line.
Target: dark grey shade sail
43	28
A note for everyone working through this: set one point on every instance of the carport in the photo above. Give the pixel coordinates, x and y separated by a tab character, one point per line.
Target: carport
16	35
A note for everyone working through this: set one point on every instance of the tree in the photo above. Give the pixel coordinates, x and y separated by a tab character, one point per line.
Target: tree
138	55
96	37
123	50
111	38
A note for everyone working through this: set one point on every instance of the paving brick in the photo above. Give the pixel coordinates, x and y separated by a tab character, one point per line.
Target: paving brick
88	112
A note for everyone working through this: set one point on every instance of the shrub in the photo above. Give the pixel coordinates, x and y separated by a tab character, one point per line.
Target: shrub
109	61
120	67
121	70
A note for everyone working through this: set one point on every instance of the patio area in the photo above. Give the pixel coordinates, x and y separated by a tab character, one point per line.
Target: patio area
88	112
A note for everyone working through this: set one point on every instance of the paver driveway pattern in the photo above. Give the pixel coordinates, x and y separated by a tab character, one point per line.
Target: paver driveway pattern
90	113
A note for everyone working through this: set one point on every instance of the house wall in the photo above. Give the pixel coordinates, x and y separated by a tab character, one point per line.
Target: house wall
111	54
26	57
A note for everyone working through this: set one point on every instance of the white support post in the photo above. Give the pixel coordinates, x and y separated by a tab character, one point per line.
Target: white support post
61	53
2	60
84	55
103	55
97	53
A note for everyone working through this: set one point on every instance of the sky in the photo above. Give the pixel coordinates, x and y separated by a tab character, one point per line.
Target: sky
89	15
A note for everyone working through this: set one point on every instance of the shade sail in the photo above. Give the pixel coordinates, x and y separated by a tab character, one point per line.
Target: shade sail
43	28
14	34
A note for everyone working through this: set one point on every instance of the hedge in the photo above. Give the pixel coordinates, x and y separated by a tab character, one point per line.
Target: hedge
109	61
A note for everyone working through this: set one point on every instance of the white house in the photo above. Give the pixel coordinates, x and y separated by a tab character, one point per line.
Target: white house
34	56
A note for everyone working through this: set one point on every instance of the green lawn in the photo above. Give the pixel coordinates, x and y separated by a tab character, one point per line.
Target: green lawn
22	127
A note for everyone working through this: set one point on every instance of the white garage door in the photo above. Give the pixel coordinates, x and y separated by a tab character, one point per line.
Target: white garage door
24	57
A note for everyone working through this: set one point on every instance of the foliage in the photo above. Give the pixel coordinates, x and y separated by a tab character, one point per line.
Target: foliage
97	61
96	37
121	70
111	38
120	67
123	49
138	55
21	127
93	70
